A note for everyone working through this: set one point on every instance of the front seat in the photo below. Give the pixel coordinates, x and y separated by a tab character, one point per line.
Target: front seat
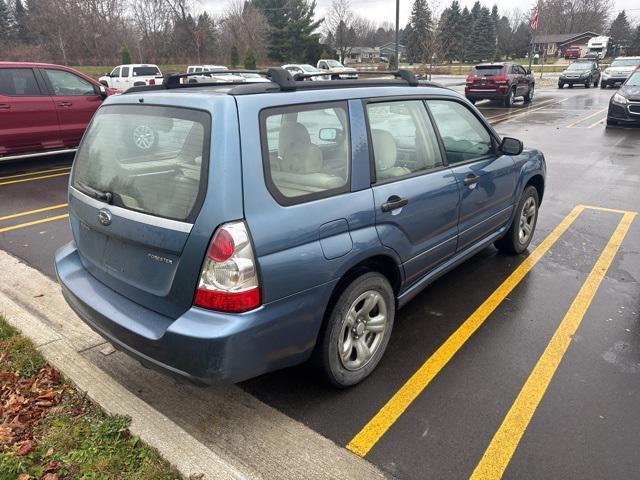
297	153
385	152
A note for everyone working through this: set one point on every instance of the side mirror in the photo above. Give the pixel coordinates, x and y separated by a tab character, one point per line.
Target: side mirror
528	71
511	146
328	134
102	91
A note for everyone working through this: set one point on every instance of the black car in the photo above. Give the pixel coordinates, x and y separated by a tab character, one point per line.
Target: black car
624	106
585	73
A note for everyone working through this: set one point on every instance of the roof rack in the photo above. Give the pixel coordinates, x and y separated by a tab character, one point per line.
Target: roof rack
285	82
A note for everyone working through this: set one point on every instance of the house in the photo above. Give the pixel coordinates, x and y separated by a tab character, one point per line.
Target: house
389	49
363	55
555	44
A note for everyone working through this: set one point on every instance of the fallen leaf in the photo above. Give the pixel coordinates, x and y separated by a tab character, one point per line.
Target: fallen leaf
49	452
52	467
47	395
24	476
25	448
50	476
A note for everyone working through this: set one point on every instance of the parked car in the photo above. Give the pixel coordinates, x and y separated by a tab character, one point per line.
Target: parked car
306	69
334	66
585	73
619	71
573	52
124	77
500	81
44	108
624	106
201	75
282	221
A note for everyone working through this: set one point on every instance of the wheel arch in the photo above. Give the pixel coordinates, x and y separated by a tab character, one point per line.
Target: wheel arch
537	181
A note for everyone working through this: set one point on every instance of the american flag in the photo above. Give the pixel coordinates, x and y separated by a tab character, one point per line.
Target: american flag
535	17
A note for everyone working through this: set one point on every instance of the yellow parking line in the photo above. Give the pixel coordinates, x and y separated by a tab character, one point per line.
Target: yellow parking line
522	114
31	212
505	441
35	222
599	122
546	103
571	125
37	172
605	209
371	433
21	180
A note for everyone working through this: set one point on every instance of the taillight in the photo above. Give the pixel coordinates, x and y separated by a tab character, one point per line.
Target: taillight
229	278
501	80
152	81
470	78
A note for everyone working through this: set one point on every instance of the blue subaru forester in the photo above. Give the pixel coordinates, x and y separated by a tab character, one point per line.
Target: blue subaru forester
222	231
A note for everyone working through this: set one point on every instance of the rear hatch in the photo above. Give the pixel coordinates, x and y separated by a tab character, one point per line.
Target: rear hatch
487	77
138	183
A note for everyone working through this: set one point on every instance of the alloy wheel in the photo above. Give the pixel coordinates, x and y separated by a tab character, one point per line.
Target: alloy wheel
527	220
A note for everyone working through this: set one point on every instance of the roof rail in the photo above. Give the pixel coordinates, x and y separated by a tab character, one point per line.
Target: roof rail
286	82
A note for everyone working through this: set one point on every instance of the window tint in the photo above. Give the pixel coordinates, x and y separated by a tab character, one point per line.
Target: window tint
147	71
464	137
18	82
149	158
65	83
307	151
403	138
125	72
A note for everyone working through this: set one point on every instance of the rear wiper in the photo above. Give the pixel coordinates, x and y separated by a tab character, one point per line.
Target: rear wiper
97	194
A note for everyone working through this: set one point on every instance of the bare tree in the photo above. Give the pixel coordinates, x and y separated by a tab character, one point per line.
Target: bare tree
244	27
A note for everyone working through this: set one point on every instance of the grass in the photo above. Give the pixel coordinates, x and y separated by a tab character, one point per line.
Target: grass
50	430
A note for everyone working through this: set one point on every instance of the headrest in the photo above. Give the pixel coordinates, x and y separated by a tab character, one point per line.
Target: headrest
384	149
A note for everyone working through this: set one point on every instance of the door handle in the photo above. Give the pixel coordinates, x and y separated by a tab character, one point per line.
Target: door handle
394	202
64	104
4	106
471	180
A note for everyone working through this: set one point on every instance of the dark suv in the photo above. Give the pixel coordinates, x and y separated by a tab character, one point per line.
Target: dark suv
499	81
582	72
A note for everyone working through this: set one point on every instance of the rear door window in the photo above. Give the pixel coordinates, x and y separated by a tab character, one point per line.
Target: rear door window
18	82
306	151
146	158
125	72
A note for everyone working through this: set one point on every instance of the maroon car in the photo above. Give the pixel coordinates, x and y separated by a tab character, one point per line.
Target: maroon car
499	81
44	109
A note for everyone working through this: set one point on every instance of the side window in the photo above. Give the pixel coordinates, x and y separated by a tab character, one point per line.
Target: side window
65	83
306	151
18	82
125	72
115	72
404	141
522	70
514	70
464	136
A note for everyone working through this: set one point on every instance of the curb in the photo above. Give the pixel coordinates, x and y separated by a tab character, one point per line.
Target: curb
205	433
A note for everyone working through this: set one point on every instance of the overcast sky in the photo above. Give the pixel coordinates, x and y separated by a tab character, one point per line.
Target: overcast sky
384	10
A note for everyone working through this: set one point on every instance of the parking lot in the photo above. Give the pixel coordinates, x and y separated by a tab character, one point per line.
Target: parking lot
513	367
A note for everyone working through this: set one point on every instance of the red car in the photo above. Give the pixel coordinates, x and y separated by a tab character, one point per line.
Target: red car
573	52
44	109
499	81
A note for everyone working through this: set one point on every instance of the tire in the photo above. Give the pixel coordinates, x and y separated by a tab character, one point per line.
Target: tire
508	100
603	86
529	96
352	367
588	84
571	85
144	138
611	122
514	242
560	85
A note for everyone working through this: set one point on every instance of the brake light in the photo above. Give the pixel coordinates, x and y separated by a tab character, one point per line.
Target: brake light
229	279
501	80
470	78
152	81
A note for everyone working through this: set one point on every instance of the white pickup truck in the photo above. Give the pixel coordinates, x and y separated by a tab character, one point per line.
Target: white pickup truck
334	66
124	77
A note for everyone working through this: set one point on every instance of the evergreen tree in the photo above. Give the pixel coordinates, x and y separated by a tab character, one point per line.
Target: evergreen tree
466	27
249	60
125	55
504	38
483	38
620	30
6	22
291	25
421	23
451	34
634	46
521	43
475	11
235	58
20	22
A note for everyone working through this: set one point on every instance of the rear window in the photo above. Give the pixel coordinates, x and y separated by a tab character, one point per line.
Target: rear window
486	70
146	158
145	71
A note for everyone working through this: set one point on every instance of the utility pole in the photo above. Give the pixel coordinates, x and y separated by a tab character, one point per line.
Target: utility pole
397	34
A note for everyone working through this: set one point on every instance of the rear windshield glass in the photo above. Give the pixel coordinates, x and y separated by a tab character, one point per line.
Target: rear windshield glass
486	70
145	71
627	62
145	158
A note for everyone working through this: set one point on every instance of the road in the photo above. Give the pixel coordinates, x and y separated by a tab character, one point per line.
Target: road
476	377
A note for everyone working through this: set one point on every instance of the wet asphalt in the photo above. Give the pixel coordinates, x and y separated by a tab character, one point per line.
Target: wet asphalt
587	422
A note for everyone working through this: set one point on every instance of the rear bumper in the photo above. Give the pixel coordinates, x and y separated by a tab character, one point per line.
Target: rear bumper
480	94
574	81
203	346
